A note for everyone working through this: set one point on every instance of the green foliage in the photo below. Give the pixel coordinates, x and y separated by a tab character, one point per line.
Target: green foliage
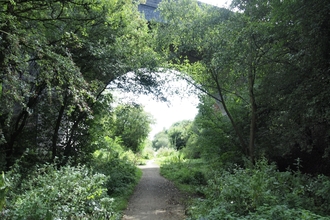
261	192
166	152
51	193
176	136
212	137
258	192
266	68
295	120
57	59
109	148
101	125
209	43
120	174
4	186
184	175
276	212
188	175
148	151
161	140
265	71
132	124
179	134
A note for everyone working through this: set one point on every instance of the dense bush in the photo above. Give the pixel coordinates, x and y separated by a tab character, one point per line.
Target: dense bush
263	192
165	152
65	193
276	212
183	174
257	192
120	173
187	174
57	191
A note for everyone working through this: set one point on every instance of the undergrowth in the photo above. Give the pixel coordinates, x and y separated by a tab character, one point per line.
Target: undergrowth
258	192
123	176
55	191
188	175
70	192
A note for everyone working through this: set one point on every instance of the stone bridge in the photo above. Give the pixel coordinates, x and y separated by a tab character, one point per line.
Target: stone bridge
149	8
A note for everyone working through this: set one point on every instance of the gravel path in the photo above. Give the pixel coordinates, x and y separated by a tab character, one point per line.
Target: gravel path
154	198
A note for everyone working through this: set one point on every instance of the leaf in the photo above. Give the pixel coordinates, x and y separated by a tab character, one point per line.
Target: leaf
3	190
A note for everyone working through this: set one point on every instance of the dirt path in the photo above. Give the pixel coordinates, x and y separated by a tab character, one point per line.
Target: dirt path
155	198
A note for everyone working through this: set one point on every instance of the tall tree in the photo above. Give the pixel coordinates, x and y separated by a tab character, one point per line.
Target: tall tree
56	59
226	49
270	58
212	136
179	134
132	124
161	140
295	102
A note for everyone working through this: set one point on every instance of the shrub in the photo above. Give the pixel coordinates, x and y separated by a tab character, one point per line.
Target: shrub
65	193
276	212
148	153
165	152
188	176
130	156
261	192
120	174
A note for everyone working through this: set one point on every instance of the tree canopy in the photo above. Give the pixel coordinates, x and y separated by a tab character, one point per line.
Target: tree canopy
56	59
132	125
266	68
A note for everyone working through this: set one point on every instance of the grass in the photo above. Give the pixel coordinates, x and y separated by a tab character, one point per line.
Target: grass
187	175
121	201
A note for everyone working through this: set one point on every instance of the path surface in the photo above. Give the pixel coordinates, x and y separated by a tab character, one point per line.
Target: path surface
155	198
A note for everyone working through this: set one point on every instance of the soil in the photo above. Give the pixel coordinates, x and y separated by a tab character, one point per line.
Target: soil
155	198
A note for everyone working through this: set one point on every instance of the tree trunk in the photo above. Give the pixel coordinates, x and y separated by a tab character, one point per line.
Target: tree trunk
253	122
236	128
9	146
57	128
238	131
19	126
251	81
